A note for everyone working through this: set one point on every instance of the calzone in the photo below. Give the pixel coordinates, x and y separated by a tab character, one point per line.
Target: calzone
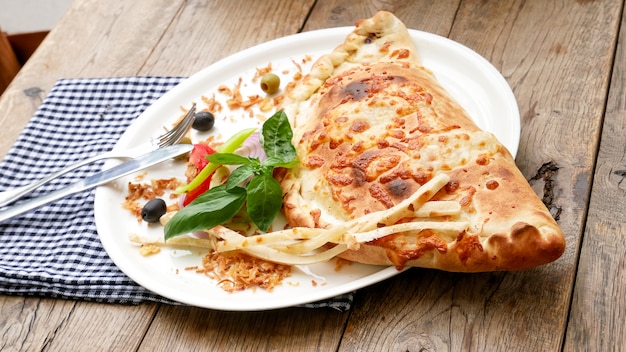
371	128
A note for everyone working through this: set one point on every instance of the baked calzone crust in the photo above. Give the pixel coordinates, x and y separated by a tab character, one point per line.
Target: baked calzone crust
371	126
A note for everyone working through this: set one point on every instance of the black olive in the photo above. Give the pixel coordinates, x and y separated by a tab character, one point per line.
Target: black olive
153	210
204	121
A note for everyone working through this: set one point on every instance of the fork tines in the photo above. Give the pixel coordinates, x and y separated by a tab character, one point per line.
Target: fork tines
174	135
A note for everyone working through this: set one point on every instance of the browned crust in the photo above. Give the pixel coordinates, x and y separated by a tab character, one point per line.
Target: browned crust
523	248
509	227
517	230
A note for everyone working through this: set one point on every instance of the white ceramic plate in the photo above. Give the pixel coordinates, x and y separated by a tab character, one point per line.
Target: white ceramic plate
471	79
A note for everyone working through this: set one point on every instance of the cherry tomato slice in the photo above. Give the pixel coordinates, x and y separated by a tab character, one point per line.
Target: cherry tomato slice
198	159
198	155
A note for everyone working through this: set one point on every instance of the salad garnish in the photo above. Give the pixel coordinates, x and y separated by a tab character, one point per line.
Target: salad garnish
251	184
229	146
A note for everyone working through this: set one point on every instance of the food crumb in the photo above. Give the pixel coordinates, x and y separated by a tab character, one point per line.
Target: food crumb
149	249
156	188
340	263
238	271
141	176
260	72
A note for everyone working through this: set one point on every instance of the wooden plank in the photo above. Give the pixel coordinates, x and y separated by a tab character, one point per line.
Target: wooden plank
599	306
293	329
30	324
104	327
24	321
561	99
211	33
98	47
429	16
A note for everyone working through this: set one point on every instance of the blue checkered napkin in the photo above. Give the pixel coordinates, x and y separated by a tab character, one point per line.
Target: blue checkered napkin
55	251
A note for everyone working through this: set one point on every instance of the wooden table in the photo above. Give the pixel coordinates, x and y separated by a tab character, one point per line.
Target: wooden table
566	63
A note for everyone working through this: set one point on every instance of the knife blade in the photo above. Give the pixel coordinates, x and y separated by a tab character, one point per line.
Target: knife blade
100	178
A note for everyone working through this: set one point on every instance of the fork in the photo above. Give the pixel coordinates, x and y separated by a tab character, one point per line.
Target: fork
170	137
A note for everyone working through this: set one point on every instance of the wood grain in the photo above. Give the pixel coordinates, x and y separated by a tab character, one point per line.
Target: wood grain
294	329
558	56
31	324
218	32
439	311
112	44
597	314
430	16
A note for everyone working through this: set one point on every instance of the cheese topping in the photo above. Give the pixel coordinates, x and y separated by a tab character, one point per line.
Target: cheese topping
379	137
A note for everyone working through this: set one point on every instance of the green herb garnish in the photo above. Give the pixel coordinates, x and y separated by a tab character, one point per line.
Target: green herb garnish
229	146
262	194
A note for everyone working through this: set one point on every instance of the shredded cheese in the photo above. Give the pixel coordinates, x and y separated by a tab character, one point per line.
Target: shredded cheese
300	246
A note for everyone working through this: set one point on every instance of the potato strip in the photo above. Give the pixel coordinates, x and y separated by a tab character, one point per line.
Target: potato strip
276	256
300	240
306	246
176	241
340	236
303	240
293	234
454	226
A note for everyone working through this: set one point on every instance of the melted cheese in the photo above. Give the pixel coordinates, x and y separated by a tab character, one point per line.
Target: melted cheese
381	132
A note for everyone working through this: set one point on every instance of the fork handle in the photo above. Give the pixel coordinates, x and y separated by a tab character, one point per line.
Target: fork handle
12	195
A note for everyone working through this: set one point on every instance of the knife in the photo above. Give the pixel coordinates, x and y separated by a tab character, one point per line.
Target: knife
100	178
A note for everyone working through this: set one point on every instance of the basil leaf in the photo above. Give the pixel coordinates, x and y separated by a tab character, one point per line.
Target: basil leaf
276	138
264	200
228	159
212	208
239	175
274	162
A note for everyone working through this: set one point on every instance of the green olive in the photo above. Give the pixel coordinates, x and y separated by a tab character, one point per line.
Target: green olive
184	140
270	83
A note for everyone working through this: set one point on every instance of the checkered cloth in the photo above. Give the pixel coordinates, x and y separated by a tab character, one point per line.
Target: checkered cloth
55	251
